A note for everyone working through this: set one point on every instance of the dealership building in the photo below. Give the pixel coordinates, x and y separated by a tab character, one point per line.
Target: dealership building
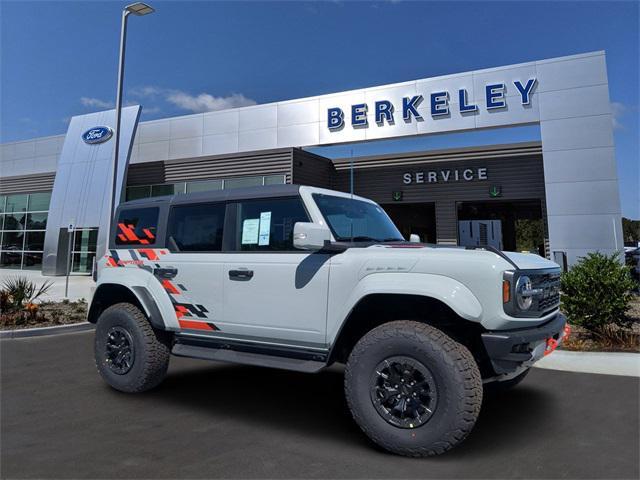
557	196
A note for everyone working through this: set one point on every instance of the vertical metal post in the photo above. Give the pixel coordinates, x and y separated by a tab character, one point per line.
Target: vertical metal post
114	185
351	174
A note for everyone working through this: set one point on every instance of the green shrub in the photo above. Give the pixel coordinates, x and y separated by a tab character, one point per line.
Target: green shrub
19	292
596	292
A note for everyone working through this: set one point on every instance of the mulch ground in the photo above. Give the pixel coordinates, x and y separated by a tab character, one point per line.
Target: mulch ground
49	314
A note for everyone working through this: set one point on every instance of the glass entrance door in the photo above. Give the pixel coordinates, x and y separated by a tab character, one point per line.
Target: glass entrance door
84	250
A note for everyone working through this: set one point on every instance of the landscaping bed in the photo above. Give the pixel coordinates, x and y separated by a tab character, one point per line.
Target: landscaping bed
47	314
614	339
22	306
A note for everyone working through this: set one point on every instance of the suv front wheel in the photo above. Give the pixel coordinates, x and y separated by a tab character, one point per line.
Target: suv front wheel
130	354
412	389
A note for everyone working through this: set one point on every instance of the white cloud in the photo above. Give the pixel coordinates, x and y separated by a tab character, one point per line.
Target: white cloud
95	103
146	91
205	102
617	111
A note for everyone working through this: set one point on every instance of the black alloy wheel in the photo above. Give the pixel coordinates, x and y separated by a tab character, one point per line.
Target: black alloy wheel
403	392
119	351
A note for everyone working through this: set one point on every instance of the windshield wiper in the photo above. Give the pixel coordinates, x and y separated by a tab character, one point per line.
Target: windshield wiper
363	238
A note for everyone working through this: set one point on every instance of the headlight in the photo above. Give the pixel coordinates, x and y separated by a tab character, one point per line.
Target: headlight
524	296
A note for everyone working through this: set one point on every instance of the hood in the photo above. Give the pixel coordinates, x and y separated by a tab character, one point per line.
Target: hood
530	261
525	261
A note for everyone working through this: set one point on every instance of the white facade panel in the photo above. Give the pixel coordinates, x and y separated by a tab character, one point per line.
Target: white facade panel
577	102
258	139
7	152
577	132
512	114
309	133
25	150
156	131
186	127
185	147
258	117
593	232
219	144
45	163
225	121
454	121
563	74
297	113
580	165
152	152
48	146
583	198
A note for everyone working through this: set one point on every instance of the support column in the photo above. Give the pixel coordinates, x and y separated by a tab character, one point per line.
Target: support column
446	223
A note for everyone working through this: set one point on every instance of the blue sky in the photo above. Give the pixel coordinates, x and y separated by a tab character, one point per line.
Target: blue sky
59	58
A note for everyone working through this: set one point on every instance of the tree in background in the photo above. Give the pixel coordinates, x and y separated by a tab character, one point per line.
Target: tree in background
630	230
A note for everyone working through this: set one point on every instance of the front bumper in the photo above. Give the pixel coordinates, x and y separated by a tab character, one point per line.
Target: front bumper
509	350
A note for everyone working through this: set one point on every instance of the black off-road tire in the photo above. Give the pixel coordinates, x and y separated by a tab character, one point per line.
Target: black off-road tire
455	374
496	388
151	349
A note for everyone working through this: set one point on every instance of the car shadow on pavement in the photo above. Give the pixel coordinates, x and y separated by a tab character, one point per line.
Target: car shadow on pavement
282	399
314	404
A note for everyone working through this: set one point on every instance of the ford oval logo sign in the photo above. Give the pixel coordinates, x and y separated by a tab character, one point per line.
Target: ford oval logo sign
97	135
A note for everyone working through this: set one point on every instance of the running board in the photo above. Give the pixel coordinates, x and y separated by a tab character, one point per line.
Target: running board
299	361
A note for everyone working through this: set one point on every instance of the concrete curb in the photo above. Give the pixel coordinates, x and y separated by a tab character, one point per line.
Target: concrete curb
43	331
607	363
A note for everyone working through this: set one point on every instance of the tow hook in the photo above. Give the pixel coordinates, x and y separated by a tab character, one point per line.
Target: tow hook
552	343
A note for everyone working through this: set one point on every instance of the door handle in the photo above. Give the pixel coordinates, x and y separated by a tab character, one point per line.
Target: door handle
165	272
241	274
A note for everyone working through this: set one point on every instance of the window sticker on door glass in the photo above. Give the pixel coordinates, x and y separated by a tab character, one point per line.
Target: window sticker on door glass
250	231
265	228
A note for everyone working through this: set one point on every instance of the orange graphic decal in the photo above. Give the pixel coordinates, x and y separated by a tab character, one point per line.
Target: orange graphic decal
195	325
169	287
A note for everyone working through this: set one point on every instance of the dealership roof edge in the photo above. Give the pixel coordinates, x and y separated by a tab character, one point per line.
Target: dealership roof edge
342	93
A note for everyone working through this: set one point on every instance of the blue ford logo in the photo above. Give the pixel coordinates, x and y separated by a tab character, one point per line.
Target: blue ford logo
97	135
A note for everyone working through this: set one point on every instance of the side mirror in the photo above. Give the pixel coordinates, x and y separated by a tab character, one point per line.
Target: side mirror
310	236
413	238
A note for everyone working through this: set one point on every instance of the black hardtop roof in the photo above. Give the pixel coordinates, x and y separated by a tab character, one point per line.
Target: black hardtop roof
247	193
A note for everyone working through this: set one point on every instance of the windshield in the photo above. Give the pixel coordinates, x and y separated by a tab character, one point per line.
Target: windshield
355	220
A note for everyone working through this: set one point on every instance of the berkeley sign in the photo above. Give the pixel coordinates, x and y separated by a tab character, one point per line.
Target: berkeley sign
384	110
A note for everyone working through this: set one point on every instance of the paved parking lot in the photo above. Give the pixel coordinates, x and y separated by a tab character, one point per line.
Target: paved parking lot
213	420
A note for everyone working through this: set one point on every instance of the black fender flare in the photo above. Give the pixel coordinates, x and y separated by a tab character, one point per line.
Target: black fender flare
109	294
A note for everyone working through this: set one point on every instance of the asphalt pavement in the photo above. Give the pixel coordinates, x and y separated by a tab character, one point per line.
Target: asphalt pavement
209	420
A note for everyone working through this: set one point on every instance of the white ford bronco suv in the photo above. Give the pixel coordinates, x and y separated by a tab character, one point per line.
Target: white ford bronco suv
299	278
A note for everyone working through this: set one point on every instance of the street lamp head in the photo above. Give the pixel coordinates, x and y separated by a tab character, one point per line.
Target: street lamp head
139	9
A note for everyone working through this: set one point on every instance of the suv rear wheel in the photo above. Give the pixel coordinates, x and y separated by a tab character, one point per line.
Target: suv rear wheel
130	354
412	389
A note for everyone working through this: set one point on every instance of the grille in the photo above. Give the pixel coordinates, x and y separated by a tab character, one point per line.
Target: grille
550	285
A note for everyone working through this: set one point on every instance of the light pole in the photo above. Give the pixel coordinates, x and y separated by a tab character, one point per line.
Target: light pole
138	9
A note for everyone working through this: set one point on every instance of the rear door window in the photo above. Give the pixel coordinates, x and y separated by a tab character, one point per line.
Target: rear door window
196	228
267	225
137	226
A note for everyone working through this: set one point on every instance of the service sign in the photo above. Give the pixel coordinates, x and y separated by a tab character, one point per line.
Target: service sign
438	104
97	135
